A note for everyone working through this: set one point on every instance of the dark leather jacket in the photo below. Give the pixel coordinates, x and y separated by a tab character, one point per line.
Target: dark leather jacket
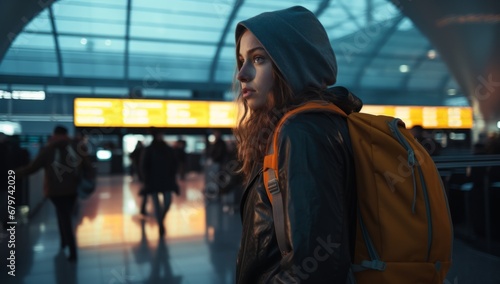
159	167
317	183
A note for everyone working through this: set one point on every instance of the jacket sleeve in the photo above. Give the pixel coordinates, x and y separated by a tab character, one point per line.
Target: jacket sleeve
313	173
39	162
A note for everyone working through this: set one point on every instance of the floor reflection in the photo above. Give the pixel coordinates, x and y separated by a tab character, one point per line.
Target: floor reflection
118	245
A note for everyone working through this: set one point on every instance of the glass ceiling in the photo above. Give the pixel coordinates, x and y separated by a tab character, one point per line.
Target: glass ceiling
191	43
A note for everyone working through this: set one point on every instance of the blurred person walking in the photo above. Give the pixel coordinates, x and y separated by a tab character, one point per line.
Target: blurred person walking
63	165
159	168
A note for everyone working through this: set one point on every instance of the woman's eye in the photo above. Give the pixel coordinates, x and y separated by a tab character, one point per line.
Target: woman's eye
258	59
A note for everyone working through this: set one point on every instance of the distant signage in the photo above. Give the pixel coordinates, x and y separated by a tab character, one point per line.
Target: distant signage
159	113
212	114
22	95
426	116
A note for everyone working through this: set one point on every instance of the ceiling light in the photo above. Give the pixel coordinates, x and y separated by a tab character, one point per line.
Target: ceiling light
211	138
107	42
83	41
452	92
38	248
103	155
404	68
23	95
10	128
431	54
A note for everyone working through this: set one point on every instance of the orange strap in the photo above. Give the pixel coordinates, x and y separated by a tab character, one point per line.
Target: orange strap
271	159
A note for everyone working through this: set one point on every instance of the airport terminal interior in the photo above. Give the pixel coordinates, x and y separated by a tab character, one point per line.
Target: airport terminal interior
110	70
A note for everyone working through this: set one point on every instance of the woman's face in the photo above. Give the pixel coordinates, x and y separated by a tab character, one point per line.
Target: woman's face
256	71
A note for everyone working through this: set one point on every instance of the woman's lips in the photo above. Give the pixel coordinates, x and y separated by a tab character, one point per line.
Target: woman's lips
247	92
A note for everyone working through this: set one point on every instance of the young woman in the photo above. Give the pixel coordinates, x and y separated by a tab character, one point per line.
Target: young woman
285	59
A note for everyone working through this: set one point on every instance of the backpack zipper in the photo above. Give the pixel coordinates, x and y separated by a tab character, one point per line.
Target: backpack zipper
412	162
393	125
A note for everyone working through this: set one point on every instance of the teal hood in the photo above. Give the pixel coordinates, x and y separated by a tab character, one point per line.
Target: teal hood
298	45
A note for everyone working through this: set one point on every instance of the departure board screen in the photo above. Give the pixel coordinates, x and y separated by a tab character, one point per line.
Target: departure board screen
159	113
426	116
90	112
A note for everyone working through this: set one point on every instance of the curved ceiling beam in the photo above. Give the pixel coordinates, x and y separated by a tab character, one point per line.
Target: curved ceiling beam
220	44
350	15
369	12
56	44
127	41
467	37
321	8
377	46
15	16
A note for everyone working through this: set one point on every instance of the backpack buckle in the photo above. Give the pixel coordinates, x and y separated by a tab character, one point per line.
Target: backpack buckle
273	186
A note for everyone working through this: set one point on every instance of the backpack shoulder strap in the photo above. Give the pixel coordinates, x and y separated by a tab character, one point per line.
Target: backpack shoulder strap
270	168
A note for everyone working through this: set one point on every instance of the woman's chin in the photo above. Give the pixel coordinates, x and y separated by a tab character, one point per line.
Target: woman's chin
254	107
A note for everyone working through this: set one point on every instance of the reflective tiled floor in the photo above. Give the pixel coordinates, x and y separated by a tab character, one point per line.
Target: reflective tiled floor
117	246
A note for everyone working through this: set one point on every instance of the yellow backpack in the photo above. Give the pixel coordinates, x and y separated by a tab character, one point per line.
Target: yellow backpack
404	229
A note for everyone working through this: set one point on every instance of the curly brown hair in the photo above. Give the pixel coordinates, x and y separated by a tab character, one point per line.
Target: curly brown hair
255	127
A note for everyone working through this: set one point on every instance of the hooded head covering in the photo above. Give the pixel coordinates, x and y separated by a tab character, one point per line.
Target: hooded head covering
298	45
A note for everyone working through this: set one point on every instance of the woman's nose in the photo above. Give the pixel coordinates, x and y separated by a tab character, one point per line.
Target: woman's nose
243	74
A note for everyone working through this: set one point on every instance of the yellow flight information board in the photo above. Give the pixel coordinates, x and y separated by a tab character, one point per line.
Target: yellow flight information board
90	112
426	116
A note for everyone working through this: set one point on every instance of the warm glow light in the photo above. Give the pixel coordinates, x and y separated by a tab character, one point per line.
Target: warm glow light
183	222
426	116
211	138
204	114
159	113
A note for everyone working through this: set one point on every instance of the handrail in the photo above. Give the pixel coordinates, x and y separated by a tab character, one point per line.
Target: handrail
447	162
464	161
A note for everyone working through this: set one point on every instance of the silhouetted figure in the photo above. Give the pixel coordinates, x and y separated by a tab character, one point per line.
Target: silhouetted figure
12	156
180	155
62	164
216	156
421	135
217	152
135	158
159	169
230	180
